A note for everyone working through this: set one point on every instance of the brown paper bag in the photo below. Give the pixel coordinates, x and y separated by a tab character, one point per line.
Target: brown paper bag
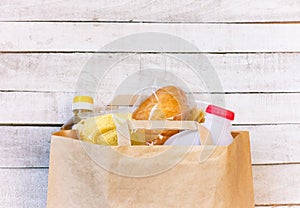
88	175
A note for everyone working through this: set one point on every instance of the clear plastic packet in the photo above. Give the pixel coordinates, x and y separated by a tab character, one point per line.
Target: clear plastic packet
102	129
166	103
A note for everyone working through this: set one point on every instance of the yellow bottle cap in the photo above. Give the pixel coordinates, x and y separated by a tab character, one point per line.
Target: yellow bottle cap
85	99
83	102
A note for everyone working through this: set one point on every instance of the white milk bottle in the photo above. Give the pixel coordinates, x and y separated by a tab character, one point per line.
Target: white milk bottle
218	121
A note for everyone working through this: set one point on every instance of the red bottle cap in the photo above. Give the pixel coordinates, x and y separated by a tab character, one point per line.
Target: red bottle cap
215	110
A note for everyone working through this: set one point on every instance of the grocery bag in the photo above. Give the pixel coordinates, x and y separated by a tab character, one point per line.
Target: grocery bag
89	175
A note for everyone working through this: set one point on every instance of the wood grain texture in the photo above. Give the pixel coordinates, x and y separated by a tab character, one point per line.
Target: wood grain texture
59	72
55	108
28	36
23	146
157	11
279	184
23	188
35	108
46	80
274	143
28	146
272	186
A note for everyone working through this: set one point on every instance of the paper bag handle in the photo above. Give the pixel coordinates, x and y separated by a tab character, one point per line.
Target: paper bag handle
67	133
123	131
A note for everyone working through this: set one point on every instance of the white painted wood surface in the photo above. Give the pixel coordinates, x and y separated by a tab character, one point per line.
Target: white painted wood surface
274	143
278	72
23	187
271	184
25	146
45	44
45	36
153	11
28	146
277	184
55	108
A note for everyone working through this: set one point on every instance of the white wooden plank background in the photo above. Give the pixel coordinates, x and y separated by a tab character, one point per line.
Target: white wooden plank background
45	36
28	146
153	11
271	184
45	44
23	187
55	108
44	71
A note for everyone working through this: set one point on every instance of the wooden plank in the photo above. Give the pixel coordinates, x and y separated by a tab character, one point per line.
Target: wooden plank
285	206
277	184
28	146
251	72
35	108
264	108
162	11
24	146
272	186
55	108
274	143
23	187
93	36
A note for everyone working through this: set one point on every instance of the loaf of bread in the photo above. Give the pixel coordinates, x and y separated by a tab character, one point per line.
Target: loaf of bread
167	103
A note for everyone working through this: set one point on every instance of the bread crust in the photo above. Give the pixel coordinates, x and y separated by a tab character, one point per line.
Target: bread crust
167	103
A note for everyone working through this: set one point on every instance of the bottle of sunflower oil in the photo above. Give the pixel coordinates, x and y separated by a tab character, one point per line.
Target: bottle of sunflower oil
83	107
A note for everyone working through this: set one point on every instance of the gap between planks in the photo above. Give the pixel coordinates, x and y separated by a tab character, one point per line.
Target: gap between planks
60	124
278	205
143	52
196	93
151	22
152	11
47	167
